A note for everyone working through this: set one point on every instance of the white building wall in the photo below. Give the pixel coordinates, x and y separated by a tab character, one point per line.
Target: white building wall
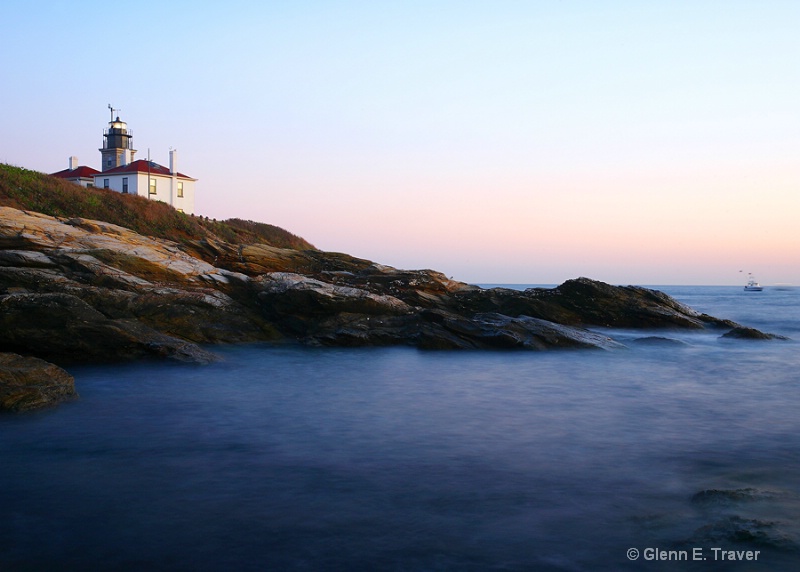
138	185
114	182
186	202
141	185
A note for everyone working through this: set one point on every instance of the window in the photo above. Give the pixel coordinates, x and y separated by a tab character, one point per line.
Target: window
125	184
105	183
108	162
153	189
180	188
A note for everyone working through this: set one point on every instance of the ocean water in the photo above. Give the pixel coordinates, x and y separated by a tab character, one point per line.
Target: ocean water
292	458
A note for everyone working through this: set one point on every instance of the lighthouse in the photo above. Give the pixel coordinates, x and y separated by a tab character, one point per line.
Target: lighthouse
121	173
117	144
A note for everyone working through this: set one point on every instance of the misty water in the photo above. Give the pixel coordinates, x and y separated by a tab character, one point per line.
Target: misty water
293	458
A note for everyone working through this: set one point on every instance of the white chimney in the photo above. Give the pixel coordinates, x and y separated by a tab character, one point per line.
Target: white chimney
73	163
173	161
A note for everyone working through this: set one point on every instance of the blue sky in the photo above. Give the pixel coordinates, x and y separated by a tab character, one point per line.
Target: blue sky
532	142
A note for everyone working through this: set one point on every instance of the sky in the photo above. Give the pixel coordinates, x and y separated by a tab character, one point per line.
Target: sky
634	142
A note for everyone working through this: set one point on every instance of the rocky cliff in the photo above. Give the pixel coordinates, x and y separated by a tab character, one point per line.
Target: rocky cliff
78	290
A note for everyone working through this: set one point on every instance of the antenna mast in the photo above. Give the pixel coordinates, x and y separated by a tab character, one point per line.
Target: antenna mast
112	111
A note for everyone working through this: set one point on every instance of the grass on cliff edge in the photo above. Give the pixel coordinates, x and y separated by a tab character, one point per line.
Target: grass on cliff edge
30	190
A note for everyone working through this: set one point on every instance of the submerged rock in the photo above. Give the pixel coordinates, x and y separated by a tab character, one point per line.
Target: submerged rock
743	333
736	517
738	530
28	383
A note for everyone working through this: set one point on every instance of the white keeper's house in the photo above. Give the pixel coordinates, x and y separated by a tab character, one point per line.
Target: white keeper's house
121	173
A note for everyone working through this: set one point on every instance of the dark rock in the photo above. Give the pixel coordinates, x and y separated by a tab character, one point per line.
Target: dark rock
439	329
298	303
597	303
588	302
65	329
738	530
491	330
208	316
742	333
360	330
28	383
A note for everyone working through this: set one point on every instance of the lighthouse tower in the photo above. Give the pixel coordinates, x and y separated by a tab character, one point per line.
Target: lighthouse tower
117	144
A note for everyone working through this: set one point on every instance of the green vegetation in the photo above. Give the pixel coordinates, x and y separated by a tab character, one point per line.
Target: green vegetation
30	190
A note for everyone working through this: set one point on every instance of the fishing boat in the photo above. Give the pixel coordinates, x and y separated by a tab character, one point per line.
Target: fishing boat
752	285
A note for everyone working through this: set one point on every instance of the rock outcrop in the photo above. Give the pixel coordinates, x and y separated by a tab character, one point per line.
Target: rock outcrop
63	328
742	333
28	383
80	290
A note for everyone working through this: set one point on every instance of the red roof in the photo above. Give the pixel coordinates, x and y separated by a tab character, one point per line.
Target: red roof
141	166
78	172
